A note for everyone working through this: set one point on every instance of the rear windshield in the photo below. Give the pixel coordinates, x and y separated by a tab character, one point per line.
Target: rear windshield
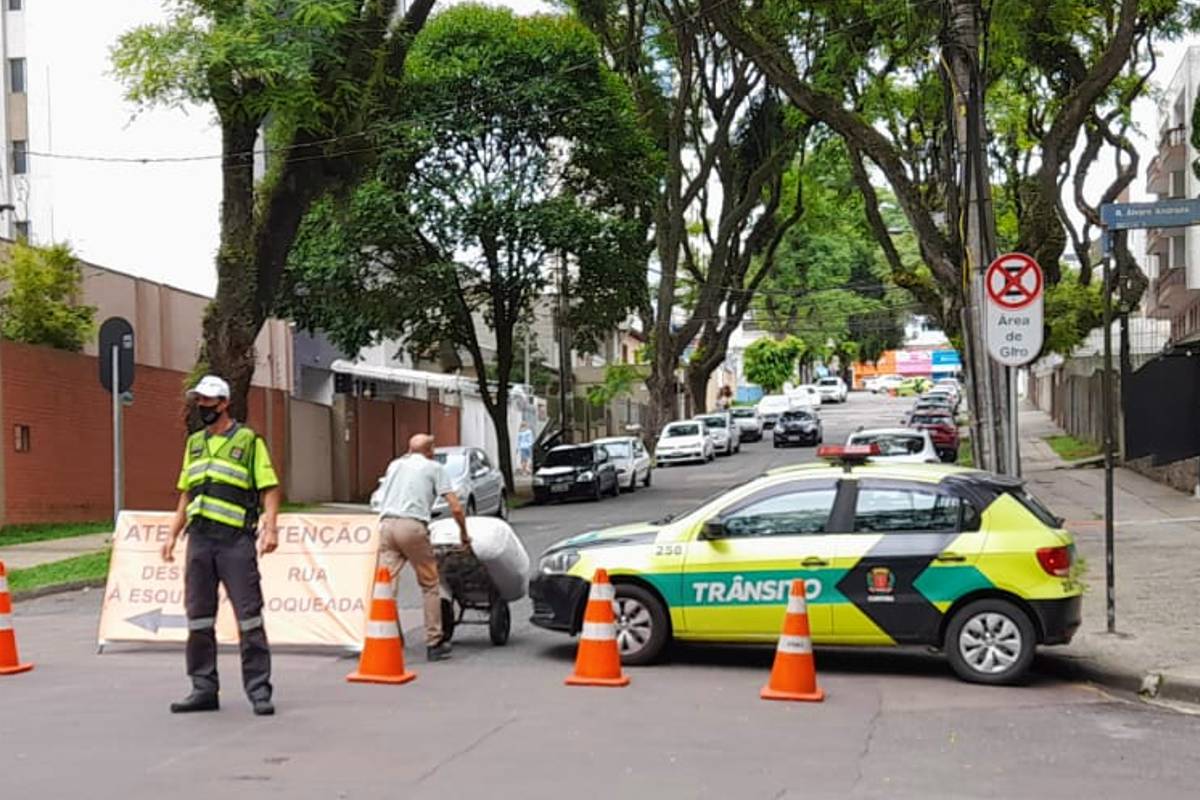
796	415
1036	507
575	457
931	419
827	382
891	444
682	430
617	449
713	422
455	463
743	412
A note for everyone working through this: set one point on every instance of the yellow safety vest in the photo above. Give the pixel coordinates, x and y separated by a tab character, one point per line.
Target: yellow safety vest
222	497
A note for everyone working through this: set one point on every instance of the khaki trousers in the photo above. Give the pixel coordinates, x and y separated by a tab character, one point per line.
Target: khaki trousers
403	540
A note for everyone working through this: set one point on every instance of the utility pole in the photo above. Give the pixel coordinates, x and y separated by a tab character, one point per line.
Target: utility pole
565	397
991	430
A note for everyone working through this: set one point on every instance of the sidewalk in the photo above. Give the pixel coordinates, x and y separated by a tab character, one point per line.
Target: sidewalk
23	556
1157	564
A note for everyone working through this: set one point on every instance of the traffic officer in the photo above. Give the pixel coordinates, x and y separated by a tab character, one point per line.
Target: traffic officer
227	476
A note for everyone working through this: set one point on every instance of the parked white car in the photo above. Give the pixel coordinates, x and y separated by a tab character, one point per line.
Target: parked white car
682	442
898	445
631	458
806	395
749	423
832	389
725	434
770	407
881	383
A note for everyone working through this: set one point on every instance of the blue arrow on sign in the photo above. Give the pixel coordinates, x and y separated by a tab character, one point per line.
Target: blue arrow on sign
1164	214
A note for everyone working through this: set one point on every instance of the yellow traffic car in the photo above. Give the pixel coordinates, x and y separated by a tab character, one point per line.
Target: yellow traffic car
901	554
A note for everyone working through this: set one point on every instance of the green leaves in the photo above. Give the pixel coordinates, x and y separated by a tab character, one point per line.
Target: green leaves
771	363
40	303
1072	310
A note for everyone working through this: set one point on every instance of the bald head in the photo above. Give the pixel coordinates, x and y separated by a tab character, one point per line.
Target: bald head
421	443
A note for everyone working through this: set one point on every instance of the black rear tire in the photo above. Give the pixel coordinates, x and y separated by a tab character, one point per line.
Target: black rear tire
1001	614
447	619
499	623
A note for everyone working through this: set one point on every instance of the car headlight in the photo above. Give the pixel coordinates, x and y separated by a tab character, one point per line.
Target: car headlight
538	480
558	563
585	476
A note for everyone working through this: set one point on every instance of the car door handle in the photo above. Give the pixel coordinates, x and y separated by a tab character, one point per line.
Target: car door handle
814	561
948	557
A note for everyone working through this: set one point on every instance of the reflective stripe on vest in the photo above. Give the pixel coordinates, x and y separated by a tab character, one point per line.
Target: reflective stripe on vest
217	511
220	485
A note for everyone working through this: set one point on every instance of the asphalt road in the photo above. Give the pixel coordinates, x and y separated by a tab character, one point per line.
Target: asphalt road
497	722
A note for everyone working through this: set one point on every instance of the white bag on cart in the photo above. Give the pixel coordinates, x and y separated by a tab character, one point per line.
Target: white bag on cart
497	547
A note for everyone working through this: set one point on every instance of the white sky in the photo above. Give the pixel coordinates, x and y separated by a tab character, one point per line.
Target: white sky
159	221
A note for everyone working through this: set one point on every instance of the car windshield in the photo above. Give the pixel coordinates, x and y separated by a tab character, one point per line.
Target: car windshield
455	463
713	422
793	416
617	449
715	495
891	444
572	457
930	419
742	413
682	430
827	382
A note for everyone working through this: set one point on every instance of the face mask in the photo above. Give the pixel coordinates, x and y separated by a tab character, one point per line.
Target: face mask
209	414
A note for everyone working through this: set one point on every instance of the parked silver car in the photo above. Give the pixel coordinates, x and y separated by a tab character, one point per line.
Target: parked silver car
749	423
476	481
631	458
725	434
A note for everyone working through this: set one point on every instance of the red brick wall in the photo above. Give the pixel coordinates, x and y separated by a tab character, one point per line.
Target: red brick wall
67	474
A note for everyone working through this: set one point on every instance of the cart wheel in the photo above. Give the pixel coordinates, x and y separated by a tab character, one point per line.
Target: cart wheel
447	619
499	623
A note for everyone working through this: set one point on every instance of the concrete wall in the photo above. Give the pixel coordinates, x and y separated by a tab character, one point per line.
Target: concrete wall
67	473
310	453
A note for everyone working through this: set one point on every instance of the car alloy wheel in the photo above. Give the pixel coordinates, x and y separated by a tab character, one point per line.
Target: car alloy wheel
635	626
990	643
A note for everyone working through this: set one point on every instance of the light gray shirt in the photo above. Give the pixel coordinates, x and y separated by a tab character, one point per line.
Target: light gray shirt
412	485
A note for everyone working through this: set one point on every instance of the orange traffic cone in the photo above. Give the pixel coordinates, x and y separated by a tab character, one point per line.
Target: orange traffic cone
794	676
9	663
382	658
598	662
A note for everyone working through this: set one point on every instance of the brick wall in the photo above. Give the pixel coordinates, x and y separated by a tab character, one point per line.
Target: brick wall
67	473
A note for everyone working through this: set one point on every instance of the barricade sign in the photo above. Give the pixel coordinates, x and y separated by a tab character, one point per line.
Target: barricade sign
316	586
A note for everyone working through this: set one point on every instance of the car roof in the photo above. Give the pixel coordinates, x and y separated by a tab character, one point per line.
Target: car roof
889	432
921	473
614	439
453	449
557	448
679	422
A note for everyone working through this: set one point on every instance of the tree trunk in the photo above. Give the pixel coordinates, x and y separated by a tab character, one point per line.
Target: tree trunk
697	385
230	322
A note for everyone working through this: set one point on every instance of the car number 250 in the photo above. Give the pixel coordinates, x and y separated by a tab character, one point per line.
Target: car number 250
668	549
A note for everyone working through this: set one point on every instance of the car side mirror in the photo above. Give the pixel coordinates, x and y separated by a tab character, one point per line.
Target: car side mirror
713	529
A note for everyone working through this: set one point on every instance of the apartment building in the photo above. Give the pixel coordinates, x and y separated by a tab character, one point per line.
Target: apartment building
14	121
1173	254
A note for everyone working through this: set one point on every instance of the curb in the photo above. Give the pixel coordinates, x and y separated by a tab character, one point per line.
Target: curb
58	588
1149	685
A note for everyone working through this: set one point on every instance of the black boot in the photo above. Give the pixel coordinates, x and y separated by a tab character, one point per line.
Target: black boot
439	652
263	708
196	701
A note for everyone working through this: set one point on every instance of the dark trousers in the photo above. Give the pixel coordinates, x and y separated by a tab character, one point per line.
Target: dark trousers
233	562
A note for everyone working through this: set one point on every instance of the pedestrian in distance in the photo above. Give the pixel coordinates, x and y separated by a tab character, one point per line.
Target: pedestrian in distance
411	486
228	504
525	448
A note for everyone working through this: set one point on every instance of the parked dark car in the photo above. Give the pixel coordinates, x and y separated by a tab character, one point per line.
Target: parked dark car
573	471
942	429
797	427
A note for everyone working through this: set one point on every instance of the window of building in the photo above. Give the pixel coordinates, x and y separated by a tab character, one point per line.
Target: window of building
14	5
21	438
16	75
20	156
1179	251
22	229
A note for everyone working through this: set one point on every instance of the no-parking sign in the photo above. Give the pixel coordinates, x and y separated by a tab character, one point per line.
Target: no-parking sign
1013	319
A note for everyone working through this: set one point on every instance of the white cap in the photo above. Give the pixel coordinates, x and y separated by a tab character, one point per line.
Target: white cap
212	387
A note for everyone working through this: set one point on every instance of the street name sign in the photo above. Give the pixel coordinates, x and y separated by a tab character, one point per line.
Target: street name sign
1013	287
1163	214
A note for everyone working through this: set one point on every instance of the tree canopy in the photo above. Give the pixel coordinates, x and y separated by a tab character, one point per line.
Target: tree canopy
41	299
771	363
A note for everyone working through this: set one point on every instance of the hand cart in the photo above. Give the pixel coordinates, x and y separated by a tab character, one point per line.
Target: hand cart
473	599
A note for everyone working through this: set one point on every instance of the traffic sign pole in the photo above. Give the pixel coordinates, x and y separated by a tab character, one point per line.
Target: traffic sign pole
118	477
1110	569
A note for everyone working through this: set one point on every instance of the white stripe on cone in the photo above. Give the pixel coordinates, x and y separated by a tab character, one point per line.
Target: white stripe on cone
5	622
796	605
602	591
795	645
3	584
598	631
383	591
382	630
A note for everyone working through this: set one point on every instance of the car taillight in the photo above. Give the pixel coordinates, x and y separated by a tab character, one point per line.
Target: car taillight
1055	561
